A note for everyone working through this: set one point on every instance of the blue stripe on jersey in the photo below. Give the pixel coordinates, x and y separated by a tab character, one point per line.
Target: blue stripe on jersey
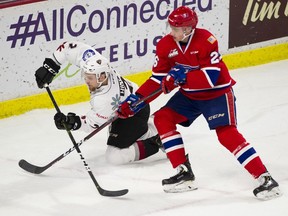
213	73
245	155
157	78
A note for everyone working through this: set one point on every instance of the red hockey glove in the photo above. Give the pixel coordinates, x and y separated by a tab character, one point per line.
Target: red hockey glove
167	84
129	107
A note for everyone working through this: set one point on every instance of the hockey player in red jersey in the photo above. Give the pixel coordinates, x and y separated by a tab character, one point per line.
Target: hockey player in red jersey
188	58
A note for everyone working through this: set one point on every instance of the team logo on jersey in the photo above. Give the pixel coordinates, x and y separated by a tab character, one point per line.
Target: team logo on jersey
87	54
115	102
211	39
173	53
61	47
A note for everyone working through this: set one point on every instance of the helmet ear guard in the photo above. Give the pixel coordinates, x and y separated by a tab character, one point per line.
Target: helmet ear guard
183	17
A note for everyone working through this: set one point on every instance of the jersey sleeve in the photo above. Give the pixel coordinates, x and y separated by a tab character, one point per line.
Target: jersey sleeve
151	85
160	69
148	87
98	114
73	52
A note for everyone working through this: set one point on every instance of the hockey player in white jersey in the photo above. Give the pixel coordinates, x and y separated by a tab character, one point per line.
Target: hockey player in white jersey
129	139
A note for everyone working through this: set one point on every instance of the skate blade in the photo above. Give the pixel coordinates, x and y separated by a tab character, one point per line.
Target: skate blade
267	195
180	187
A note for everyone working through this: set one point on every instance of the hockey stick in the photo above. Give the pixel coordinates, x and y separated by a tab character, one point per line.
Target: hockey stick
39	169
102	191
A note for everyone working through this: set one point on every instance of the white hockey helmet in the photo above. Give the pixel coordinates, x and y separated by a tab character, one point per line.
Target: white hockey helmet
97	65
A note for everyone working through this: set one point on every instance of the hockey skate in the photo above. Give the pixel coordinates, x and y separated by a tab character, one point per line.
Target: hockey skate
268	188
182	181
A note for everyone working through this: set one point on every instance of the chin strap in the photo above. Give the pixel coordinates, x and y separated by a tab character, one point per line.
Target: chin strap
101	83
185	36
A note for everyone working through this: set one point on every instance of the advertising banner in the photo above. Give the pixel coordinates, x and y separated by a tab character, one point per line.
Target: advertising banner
124	31
253	21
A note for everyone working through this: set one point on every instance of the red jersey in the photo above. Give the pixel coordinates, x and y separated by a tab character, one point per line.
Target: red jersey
208	77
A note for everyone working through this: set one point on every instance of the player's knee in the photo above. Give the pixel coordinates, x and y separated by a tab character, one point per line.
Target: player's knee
114	157
162	114
117	156
229	137
164	120
152	131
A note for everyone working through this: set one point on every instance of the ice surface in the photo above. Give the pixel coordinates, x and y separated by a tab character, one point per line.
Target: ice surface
225	188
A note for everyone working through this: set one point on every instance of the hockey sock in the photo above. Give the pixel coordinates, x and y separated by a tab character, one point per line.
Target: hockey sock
247	156
145	148
165	121
174	147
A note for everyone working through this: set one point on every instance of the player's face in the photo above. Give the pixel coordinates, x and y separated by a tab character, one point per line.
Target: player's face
93	82
180	33
177	33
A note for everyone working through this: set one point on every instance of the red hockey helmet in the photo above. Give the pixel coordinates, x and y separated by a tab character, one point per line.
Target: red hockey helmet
182	17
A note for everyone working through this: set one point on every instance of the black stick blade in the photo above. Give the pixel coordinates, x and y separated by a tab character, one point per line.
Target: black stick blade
25	165
30	167
113	193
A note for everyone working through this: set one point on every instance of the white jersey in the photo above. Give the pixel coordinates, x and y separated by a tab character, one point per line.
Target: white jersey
105	100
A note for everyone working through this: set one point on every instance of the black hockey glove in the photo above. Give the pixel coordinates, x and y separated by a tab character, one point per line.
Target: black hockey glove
45	74
72	121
